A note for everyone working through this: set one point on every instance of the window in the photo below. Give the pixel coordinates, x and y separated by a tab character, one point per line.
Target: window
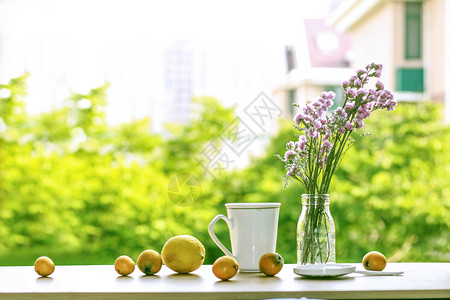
290	58
410	80
291	100
413	30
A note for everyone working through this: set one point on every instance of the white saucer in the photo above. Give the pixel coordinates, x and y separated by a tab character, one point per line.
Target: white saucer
325	270
379	273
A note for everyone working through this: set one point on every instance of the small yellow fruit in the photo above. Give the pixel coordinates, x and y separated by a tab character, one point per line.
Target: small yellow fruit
124	265
271	263
183	253
149	262
374	261
44	266
225	267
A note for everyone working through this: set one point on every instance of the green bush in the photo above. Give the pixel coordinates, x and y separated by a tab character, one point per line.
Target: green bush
390	193
82	191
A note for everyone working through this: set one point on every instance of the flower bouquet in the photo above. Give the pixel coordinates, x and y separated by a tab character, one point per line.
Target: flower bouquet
324	138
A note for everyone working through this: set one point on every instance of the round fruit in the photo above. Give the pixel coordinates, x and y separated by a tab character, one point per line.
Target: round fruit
374	261
124	265
44	266
183	253
225	267
271	263
149	262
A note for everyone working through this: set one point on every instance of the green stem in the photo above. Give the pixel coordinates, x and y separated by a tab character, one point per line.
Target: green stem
314	248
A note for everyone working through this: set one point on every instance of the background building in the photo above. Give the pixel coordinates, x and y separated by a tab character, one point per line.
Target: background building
410	38
156	55
319	63
184	76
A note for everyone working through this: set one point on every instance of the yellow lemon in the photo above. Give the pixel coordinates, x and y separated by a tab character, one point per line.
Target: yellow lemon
124	265
149	262
225	267
44	266
183	253
271	263
374	261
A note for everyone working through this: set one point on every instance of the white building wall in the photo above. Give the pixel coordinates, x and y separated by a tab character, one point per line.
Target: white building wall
434	48
373	39
447	61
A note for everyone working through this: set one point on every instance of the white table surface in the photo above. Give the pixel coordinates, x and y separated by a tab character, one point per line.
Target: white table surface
419	281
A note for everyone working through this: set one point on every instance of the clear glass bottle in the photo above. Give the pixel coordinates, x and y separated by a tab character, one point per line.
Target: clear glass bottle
315	231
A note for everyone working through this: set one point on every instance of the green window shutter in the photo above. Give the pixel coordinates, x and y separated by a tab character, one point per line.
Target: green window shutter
413	30
410	80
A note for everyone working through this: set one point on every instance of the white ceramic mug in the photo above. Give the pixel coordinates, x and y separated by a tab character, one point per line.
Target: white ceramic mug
253	232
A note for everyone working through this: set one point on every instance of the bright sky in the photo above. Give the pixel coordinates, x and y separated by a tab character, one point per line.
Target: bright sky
77	44
174	19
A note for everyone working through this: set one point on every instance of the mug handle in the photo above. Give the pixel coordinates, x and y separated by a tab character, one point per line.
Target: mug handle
214	237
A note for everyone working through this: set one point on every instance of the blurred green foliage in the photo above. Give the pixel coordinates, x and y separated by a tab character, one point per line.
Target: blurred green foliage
82	191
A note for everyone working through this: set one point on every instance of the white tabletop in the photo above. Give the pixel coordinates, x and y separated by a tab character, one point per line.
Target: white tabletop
419	281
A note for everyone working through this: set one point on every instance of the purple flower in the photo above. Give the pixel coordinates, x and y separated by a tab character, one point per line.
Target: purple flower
312	133
329	103
363	112
330	95
359	123
372	92
307	119
381	101
372	98
320	132
378	69
368	106
345	84
361	92
341	112
300	146
369	66
349	106
317	124
379	85
327	145
290	145
321	163
298	119
392	105
302	139
361	72
351	93
348	126
317	103
308	110
290	154
390	96
326	135
385	98
292	171
319	112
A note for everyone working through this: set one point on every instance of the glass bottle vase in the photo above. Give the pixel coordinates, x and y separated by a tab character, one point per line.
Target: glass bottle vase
315	231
